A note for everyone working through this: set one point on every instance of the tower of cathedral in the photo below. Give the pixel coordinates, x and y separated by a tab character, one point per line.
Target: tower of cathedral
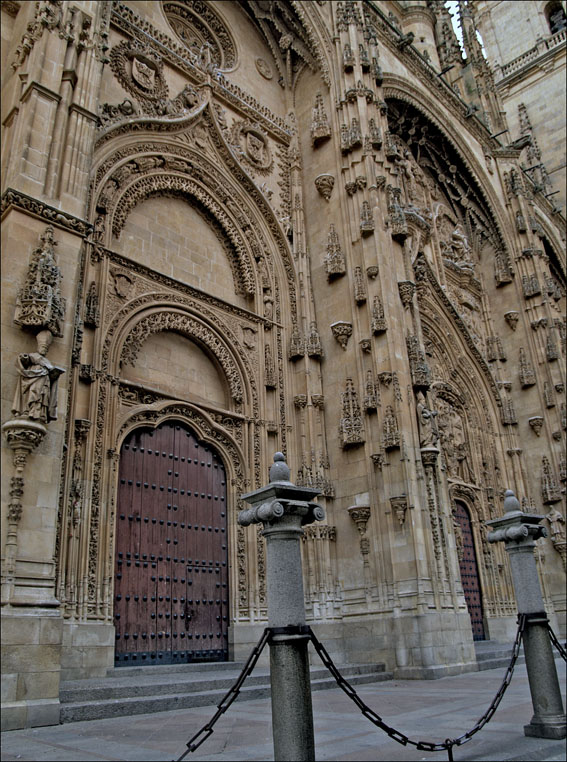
236	228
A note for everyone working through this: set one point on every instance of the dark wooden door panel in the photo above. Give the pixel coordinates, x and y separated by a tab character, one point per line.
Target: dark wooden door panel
171	586
469	572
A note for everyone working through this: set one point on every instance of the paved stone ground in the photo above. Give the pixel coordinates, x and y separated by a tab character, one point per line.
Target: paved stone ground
429	710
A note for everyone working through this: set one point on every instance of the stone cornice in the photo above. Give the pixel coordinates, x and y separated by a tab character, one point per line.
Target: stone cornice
13	199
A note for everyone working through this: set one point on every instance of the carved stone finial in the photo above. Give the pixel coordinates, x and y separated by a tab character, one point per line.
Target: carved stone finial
279	472
334	257
511	502
325	184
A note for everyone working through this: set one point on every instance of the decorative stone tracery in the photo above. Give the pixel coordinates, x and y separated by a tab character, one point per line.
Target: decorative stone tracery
188	326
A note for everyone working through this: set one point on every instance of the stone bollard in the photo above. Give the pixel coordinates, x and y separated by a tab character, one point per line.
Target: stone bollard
284	508
519	531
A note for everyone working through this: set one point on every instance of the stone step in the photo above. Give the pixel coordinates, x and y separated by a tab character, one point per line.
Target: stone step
186	694
493	655
168	669
152	684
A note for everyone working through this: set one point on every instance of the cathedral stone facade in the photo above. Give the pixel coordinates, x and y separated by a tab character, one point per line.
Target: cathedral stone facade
231	229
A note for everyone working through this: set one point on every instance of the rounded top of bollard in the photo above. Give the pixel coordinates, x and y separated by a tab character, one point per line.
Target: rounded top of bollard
279	472
511	502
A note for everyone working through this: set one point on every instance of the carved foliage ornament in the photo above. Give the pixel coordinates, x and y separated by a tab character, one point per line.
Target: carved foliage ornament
188	326
325	184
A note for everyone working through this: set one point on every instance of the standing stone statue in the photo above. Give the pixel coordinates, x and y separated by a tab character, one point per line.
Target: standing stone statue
36	392
428	434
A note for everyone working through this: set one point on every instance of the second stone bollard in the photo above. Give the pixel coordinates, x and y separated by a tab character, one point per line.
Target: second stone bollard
284	508
519	531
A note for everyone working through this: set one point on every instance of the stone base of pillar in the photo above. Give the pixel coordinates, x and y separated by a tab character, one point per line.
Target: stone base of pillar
549	728
31	667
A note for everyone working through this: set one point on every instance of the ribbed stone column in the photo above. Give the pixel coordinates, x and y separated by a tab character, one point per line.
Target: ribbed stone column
519	531
283	509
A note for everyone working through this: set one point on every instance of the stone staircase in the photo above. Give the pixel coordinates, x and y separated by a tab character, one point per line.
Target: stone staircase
493	655
140	690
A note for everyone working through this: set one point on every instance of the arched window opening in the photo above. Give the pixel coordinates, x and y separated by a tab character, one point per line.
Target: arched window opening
555	15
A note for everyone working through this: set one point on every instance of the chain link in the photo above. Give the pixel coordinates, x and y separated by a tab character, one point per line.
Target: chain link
228	698
347	688
555	640
446	745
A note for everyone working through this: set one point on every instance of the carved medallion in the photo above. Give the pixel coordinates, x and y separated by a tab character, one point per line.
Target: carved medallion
139	70
264	68
251	142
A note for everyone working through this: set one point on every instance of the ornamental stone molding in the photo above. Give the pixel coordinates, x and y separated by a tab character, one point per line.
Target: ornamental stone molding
400	506
325	184
252	145
193	329
406	289
536	424
167	184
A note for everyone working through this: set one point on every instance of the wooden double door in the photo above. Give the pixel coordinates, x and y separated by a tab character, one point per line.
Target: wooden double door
171	565
469	572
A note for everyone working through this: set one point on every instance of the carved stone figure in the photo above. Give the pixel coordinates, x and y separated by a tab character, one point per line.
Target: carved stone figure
556	525
428	433
36	392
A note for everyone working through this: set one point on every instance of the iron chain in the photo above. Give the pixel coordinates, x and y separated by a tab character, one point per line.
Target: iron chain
228	698
400	737
347	688
555	640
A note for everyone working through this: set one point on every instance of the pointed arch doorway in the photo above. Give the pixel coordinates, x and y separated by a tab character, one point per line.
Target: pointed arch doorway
171	557
469	569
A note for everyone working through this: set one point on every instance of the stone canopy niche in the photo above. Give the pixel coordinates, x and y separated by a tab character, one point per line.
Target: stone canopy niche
197	25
